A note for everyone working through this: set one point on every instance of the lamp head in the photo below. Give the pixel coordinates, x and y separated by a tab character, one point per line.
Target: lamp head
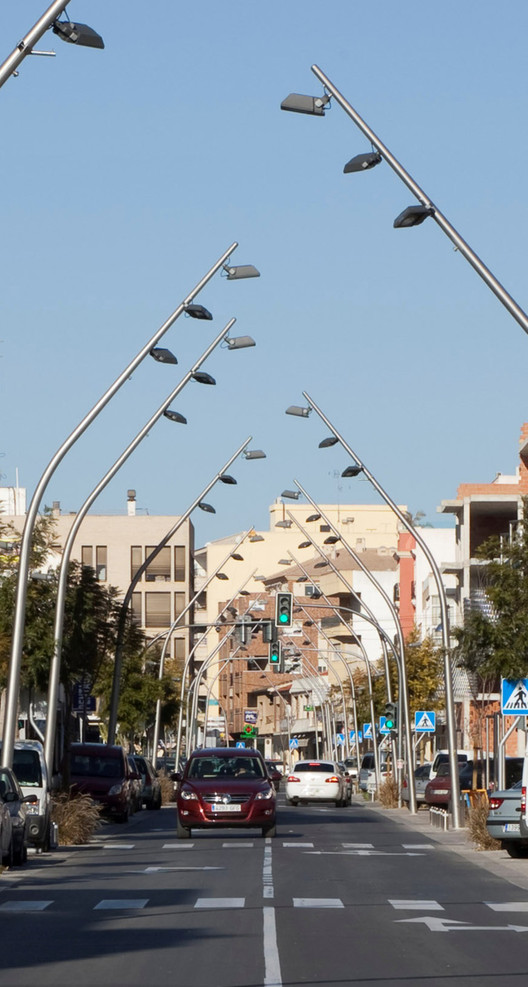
283	524
313	517
291	494
362	162
331	440
77	34
241	272
226	478
299	412
206	507
221	575
174	416
202	377
162	355
312	105
254	454
237	557
198	312
412	216
240	342
352	471
304	544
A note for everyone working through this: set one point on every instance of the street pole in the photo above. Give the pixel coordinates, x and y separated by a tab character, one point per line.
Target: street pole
497	288
448	679
13	684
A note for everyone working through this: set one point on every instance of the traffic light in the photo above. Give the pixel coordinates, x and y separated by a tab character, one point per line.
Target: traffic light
284	610
391	717
275	656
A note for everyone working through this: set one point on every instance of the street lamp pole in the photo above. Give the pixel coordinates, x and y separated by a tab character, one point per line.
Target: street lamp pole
13	683
54	680
448	678
497	288
114	701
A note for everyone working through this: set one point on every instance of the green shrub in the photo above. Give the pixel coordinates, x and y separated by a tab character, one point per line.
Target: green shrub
77	817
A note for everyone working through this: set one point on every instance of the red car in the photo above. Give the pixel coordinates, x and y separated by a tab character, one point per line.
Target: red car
225	786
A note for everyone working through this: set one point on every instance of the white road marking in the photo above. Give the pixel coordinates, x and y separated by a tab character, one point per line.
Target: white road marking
24	906
452	925
120	904
220	902
272	970
268	890
157	870
418	846
359	846
318	903
298	844
507	906
245	844
178	846
118	846
409	903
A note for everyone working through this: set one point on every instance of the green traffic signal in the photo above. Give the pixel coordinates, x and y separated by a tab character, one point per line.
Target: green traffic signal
284	610
391	716
275	653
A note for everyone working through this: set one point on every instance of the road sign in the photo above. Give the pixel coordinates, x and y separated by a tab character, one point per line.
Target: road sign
425	721
382	727
240	743
250	716
83	702
353	736
367	731
294	743
514	694
308	709
340	739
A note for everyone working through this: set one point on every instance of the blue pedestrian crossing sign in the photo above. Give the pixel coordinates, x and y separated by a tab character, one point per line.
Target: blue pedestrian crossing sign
367	731
382	727
240	743
294	743
425	721
514	695
352	736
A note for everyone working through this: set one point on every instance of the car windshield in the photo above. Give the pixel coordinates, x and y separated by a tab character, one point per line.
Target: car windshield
315	766
226	767
96	766
26	766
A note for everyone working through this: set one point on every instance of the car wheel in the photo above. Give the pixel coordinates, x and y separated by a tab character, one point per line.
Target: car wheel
182	832
294	802
514	850
45	846
157	804
269	830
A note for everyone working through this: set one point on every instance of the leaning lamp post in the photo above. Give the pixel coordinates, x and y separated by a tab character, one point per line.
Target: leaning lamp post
359	467
415	214
15	663
76	34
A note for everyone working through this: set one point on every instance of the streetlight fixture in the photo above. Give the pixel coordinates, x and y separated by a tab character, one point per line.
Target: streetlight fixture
254	454
54	680
448	677
15	664
362	162
198	312
162	355
174	416
73	33
351	471
412	216
317	109
241	272
202	378
291	494
299	412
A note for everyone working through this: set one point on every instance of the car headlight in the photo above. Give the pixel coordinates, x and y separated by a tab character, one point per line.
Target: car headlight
268	794
116	789
186	793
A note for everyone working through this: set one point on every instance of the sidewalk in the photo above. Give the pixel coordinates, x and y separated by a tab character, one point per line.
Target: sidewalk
456	841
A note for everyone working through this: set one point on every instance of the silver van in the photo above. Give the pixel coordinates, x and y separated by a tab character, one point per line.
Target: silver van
367	774
30	769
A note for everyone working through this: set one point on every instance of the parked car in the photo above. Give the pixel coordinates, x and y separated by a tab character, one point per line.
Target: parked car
367	773
504	820
29	765
151	791
421	779
317	781
102	771
438	789
225	786
275	773
6	835
17	803
136	785
351	765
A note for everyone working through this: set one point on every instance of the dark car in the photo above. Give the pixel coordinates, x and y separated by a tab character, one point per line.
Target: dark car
151	793
275	773
17	803
102	771
225	786
438	789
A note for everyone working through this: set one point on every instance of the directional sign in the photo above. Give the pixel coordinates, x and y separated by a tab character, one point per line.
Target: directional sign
353	736
367	731
240	743
250	716
514	693
382	727
294	743
425	721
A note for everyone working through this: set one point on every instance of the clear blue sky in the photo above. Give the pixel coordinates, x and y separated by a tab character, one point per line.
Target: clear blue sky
127	172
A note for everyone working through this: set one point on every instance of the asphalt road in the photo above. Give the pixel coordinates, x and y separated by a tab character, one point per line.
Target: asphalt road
341	896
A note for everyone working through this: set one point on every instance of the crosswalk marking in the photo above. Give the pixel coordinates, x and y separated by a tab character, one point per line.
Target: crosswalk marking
24	906
507	906
318	903
237	844
359	846
118	846
410	904
298	844
178	846
120	904
220	903
418	846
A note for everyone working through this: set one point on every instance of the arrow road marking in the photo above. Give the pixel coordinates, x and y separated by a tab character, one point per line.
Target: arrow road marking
435	924
364	853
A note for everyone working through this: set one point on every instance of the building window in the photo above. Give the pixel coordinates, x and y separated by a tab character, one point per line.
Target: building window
180	554
324	527
136	558
179	604
137	615
157	610
101	563
159	570
179	648
87	556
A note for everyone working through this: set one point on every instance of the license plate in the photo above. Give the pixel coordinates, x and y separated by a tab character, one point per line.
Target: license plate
225	808
512	827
